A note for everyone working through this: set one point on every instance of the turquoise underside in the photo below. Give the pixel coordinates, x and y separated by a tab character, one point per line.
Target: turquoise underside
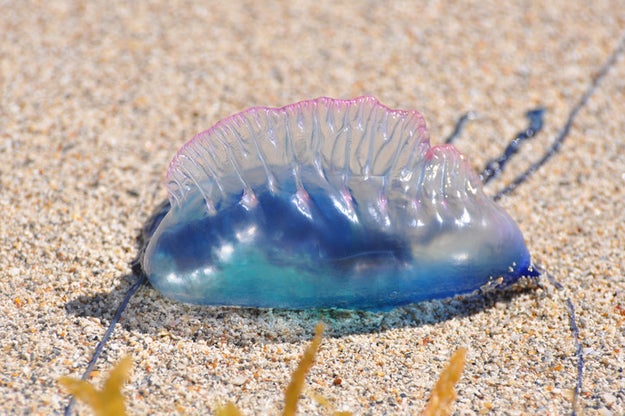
250	280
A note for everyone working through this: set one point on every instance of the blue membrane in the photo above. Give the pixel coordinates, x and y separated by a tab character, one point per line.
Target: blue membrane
327	203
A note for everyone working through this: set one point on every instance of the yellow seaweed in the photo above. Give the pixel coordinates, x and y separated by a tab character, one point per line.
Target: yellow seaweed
106	402
229	409
109	401
444	393
296	385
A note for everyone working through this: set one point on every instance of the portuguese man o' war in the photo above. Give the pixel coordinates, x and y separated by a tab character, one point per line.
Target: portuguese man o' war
380	168
327	203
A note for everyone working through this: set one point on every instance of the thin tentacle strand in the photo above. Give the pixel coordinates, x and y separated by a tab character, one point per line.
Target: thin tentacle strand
566	129
495	167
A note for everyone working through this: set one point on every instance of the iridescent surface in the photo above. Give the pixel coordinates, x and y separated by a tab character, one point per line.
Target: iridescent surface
327	203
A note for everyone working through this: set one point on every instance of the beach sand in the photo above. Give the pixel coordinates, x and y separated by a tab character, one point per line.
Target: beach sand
96	97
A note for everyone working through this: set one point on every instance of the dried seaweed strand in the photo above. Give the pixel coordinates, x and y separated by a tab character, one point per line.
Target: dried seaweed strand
109	400
444	393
